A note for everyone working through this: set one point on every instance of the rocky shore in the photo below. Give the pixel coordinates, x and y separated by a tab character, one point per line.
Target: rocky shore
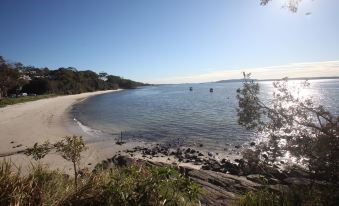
222	180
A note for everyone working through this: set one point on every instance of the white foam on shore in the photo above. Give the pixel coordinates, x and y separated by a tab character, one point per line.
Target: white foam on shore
88	130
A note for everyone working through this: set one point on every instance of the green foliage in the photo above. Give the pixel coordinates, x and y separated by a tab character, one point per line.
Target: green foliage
37	86
262	197
141	185
292	124
133	185
38	151
16	78
69	148
294	195
39	187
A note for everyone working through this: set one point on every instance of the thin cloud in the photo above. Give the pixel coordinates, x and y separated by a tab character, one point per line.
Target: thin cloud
309	69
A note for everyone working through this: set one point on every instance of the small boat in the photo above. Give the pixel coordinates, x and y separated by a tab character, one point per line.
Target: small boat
211	89
191	88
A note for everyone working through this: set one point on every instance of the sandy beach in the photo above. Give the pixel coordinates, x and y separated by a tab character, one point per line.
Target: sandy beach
22	125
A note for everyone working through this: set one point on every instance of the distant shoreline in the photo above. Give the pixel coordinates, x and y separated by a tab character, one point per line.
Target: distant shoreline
264	80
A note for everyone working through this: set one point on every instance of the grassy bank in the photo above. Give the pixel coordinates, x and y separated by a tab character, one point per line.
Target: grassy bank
10	101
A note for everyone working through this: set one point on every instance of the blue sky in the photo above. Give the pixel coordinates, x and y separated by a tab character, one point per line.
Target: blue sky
173	41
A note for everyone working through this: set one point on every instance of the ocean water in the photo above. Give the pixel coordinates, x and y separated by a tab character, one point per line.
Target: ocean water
172	113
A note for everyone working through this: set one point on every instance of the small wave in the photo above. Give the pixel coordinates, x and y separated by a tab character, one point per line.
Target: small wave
88	130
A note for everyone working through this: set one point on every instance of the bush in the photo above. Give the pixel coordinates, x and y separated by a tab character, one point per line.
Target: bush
148	186
133	185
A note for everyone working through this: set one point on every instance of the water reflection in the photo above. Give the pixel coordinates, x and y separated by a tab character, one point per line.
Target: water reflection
165	113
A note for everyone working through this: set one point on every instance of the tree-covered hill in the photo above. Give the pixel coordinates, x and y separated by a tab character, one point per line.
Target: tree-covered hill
15	78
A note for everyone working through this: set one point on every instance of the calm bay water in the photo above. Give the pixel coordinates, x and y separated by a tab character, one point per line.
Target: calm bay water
168	112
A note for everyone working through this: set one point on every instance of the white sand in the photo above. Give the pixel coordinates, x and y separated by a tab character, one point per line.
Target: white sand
37	121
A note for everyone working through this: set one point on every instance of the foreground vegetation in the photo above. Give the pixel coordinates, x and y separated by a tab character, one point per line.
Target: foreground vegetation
136	184
293	195
132	185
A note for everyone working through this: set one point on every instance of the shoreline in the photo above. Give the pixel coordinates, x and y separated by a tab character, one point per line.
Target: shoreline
22	125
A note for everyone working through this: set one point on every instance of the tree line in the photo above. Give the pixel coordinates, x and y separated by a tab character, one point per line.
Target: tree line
15	78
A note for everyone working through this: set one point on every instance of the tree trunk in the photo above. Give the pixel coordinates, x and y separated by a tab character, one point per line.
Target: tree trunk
75	177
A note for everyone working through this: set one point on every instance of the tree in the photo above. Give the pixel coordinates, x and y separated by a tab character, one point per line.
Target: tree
37	86
70	148
292	125
16	78
9	78
2	60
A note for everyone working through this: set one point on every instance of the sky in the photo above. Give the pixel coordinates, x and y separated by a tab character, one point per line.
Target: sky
174	41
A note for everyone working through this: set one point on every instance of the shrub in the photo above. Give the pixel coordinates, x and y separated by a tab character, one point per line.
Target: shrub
132	185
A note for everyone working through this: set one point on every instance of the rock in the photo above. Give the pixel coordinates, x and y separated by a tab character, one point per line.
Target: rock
252	144
206	167
297	172
297	181
200	154
274	172
12	142
201	145
219	188
211	154
237	160
231	168
273	181
237	146
122	160
257	178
